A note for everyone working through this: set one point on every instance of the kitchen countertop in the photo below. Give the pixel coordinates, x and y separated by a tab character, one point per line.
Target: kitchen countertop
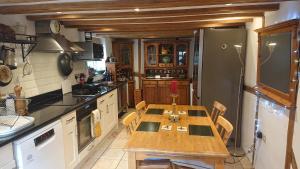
51	113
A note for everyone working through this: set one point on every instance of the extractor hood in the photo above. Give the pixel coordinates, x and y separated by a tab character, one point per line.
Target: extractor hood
50	42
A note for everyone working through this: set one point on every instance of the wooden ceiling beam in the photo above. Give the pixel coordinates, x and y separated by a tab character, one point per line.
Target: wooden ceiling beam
117	5
148	34
184	19
21	1
158	27
165	13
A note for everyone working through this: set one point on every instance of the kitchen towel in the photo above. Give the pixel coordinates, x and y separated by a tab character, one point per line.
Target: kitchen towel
96	126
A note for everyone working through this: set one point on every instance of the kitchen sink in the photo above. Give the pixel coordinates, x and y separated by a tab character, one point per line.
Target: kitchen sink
10	125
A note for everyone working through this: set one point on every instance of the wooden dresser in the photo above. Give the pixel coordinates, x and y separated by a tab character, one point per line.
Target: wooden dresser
157	91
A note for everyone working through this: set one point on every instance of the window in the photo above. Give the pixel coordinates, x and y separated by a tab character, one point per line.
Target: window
97	65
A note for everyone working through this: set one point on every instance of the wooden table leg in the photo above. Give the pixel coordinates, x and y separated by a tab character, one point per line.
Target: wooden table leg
131	160
219	164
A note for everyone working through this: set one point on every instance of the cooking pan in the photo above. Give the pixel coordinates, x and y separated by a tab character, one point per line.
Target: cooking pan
65	64
5	75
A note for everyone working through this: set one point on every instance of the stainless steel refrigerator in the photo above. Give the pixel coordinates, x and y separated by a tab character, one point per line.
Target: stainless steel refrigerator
218	70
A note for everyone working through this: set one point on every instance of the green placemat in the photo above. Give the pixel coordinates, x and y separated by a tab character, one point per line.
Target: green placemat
148	126
155	111
200	130
200	113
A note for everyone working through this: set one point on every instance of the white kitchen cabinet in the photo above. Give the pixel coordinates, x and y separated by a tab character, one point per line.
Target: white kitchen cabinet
112	108
108	108
7	157
70	139
102	107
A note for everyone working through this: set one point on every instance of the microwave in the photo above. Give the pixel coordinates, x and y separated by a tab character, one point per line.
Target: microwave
92	51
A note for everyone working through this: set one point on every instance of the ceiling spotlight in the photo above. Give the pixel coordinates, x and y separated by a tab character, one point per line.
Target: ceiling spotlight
228	4
59	12
137	9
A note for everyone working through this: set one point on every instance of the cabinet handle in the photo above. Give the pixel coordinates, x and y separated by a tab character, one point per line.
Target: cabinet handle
111	95
70	133
101	101
70	120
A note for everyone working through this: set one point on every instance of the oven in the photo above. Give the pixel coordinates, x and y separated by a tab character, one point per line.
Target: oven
84	124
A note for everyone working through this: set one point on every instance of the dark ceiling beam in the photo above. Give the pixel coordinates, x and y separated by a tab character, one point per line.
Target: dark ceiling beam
164	13
117	5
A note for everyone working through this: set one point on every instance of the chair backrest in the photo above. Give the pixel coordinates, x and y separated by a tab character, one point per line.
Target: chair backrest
218	110
224	128
130	122
140	107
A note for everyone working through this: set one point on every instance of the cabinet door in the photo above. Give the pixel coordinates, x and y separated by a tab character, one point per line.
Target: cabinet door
111	109
164	94
101	105
126	54
166	55
151	52
182	54
70	139
150	90
183	92
131	94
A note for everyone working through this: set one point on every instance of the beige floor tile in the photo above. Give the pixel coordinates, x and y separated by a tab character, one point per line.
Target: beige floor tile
113	154
106	164
123	164
125	156
246	163
123	134
119	143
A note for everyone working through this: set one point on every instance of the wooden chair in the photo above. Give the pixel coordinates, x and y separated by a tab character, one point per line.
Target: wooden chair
218	110
130	122
140	108
225	128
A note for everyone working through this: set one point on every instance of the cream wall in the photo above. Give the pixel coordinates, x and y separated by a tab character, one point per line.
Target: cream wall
45	76
273	119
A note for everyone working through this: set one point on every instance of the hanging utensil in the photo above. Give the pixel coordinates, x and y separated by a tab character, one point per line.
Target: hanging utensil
27	68
6	75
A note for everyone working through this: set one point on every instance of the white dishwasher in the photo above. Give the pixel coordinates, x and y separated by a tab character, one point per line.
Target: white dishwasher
41	149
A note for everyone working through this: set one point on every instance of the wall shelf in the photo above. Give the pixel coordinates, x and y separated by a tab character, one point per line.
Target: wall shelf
22	40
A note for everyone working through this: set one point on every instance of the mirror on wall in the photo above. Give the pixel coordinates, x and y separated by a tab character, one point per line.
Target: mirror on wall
278	62
275	61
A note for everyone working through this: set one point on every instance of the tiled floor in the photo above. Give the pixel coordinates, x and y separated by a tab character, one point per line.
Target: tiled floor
111	155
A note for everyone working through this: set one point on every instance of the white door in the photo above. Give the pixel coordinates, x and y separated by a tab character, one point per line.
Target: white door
102	107
112	106
70	139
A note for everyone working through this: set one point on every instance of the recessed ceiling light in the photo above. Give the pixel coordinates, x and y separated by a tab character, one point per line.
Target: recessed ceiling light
59	12
137	9
228	4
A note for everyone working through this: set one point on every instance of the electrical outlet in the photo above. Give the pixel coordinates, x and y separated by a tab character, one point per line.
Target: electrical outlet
264	138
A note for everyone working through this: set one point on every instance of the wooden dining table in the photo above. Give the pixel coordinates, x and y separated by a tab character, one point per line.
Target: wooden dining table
173	144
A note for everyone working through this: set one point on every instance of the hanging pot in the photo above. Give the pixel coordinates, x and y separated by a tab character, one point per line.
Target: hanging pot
6	75
65	64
